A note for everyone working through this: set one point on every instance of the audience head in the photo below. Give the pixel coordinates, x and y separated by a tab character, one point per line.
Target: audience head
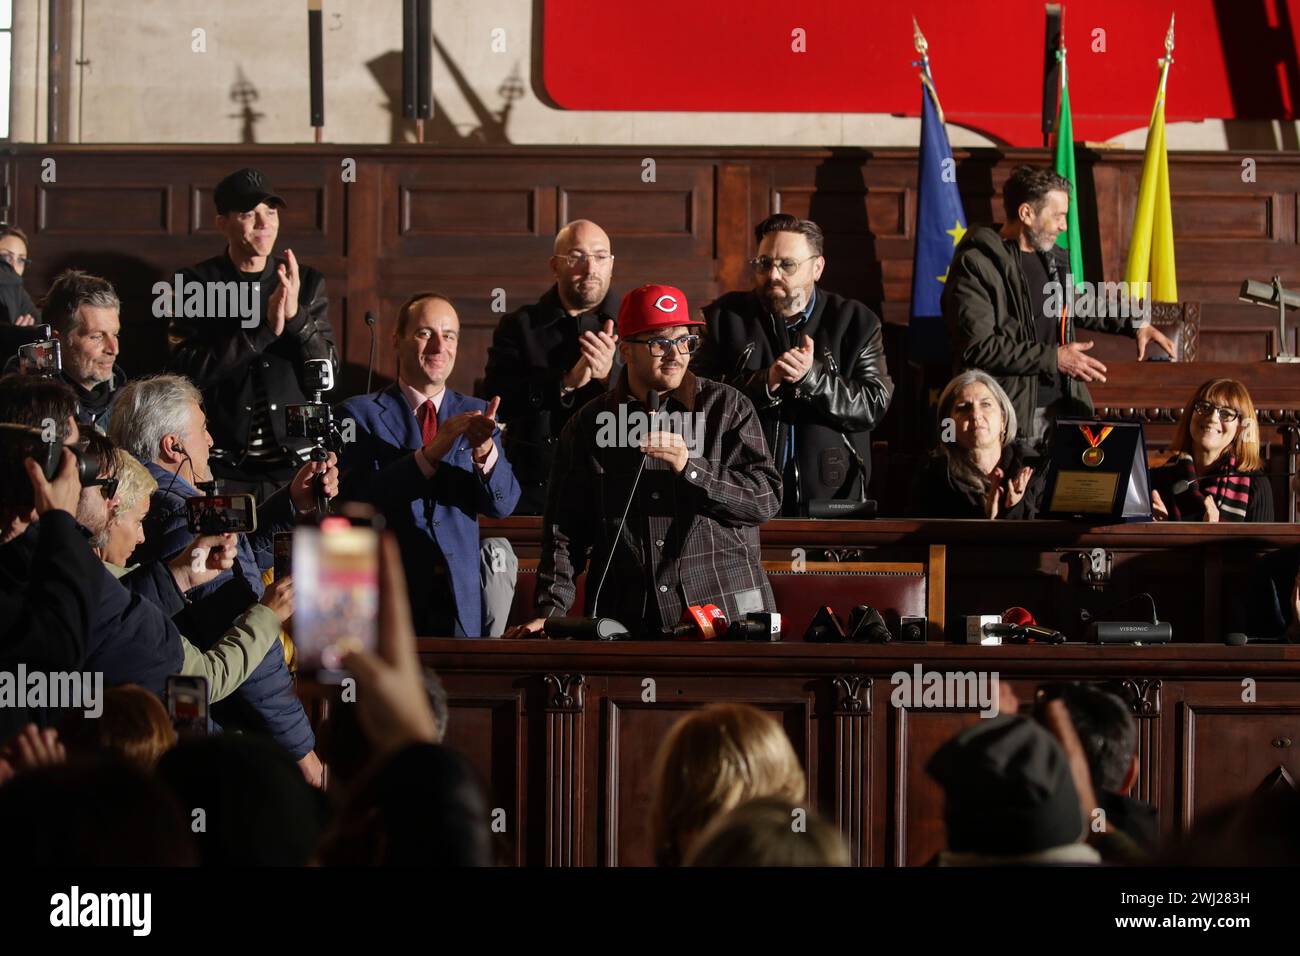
647	318
13	248
160	420
248	214
99	498
257	808
83	312
126	522
769	831
92	812
421	807
1008	792
1108	732
133	726
427	334
1220	420
788	263
583	265
341	741
38	404
711	761
1036	202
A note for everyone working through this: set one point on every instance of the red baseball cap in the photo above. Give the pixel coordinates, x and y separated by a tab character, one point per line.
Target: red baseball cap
653	307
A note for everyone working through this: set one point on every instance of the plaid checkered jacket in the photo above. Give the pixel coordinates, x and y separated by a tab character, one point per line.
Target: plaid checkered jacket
690	538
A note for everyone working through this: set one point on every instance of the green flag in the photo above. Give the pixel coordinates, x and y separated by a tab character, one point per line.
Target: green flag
1071	239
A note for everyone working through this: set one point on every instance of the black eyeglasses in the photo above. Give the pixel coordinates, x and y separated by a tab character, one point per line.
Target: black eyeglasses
1206	409
685	345
107	487
14	260
788	267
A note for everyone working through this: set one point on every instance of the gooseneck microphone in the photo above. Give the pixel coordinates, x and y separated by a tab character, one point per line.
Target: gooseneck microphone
595	627
1183	484
652	406
370	365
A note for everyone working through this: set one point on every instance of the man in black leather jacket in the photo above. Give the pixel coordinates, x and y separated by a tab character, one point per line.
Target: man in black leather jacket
811	361
247	354
551	357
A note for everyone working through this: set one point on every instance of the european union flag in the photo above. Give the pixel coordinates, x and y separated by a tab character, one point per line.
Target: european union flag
940	224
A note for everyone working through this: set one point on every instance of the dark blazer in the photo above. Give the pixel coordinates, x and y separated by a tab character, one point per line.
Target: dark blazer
935	495
266	702
428	515
532	349
845	393
228	362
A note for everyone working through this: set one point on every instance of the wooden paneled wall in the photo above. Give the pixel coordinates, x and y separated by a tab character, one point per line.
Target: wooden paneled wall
471	222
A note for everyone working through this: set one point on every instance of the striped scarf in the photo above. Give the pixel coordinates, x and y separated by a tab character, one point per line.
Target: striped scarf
1230	492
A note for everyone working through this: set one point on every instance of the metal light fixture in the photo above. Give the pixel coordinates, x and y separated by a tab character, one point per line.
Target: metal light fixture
1274	297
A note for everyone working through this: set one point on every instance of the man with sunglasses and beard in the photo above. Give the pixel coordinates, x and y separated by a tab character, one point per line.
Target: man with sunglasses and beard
692	470
811	361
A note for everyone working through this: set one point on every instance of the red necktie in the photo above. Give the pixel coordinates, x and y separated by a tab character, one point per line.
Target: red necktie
428	416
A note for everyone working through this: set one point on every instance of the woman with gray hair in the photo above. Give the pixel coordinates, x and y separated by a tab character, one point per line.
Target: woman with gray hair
978	470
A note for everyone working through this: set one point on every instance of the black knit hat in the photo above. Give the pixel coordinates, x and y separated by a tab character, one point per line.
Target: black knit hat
1007	789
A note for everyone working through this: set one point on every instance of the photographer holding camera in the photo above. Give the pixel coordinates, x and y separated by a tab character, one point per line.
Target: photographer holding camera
126	634
160	420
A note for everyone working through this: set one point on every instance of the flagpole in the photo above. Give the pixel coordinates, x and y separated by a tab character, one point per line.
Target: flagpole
1165	61
923	50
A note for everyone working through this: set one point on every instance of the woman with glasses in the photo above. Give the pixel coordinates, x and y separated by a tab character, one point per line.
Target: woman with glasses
16	306
1213	474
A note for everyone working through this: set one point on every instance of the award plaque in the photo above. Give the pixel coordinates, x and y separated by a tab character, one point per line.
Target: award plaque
1098	472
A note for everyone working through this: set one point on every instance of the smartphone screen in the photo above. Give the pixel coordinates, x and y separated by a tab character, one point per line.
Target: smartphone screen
36	358
336	593
187	704
221	514
282	553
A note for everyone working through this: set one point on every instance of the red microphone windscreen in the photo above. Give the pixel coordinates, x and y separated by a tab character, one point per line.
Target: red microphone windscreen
1017	615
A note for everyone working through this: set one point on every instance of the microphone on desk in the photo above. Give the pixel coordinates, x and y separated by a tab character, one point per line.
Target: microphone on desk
1028	629
699	622
1238	639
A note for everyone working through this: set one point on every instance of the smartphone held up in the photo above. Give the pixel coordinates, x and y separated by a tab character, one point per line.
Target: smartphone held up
336	590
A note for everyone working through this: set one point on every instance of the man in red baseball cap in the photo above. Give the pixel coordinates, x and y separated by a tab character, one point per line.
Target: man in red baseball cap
685	459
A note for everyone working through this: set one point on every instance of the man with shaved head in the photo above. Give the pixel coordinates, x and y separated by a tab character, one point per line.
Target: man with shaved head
551	357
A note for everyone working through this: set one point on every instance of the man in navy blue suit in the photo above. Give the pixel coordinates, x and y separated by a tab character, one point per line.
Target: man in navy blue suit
430	459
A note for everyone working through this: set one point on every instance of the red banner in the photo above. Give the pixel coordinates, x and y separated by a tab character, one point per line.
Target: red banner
1233	59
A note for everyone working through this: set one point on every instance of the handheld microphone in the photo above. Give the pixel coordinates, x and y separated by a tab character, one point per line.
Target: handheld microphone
698	623
825	627
1028	629
866	624
652	406
370	365
757	626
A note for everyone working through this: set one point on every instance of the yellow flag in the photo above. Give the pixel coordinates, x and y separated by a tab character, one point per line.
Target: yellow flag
1151	249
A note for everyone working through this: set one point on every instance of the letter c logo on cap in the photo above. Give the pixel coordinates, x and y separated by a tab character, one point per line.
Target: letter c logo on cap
671	307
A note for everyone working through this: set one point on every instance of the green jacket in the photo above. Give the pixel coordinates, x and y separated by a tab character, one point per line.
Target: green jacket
235	655
990	320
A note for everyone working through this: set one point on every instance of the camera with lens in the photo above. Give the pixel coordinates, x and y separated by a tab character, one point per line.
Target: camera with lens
24	441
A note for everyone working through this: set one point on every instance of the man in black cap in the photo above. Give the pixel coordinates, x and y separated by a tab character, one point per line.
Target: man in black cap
244	323
1009	797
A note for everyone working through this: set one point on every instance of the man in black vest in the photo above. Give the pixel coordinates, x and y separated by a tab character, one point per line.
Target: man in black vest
811	361
550	358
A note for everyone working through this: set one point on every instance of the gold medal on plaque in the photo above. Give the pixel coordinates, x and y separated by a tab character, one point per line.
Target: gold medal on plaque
1093	455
